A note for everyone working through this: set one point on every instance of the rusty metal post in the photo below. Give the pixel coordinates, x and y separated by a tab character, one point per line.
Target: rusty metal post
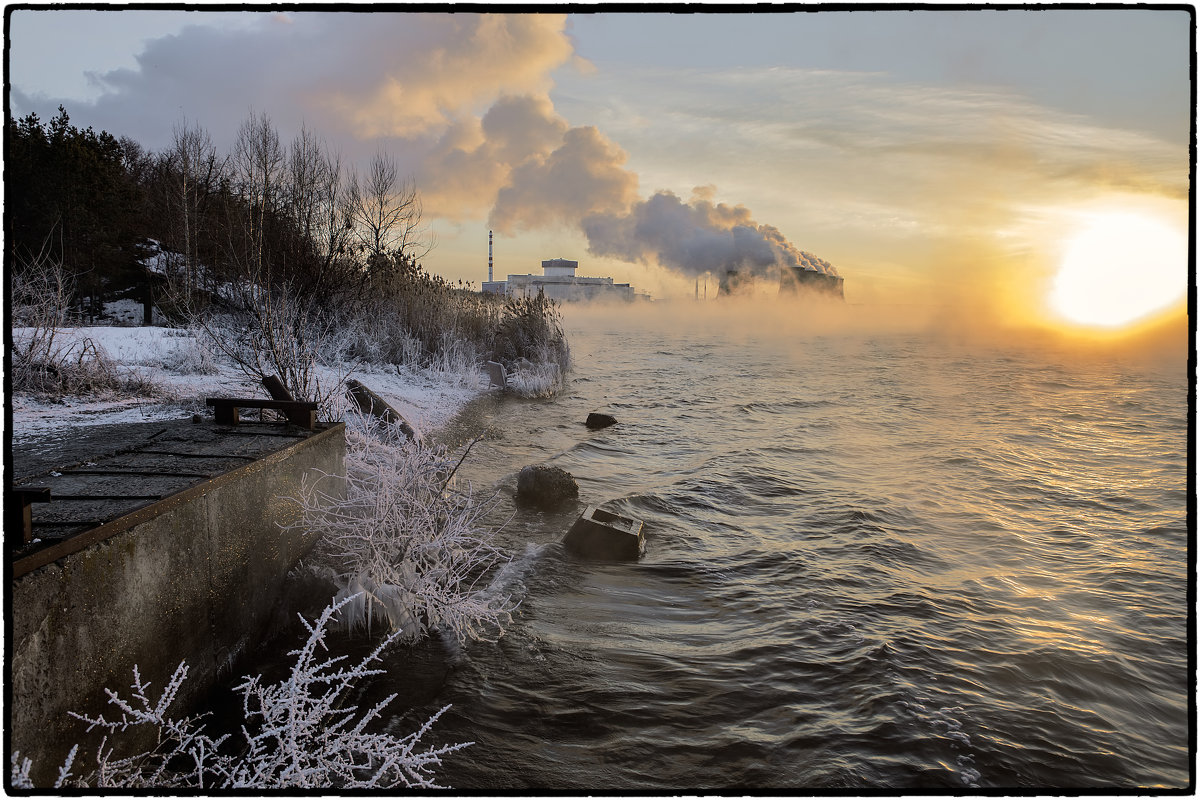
20	512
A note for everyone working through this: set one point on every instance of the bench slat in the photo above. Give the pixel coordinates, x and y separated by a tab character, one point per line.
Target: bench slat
276	389
255	402
302	413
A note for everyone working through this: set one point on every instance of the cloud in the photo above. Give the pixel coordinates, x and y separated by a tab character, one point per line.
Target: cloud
464	170
453	63
863	155
583	176
352	76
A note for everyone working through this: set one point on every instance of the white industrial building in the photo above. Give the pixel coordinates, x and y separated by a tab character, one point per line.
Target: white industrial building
558	281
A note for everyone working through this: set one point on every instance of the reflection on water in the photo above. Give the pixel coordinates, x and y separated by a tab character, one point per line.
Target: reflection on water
873	560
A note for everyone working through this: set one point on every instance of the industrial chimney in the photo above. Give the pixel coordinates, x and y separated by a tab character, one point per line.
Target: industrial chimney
489	256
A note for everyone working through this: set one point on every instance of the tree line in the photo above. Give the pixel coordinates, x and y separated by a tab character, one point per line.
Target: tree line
287	215
280	254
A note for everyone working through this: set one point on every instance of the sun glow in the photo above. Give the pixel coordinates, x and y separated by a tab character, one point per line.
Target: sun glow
1119	268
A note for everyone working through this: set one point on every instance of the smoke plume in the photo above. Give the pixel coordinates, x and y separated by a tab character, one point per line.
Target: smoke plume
695	237
582	177
462	101
544	173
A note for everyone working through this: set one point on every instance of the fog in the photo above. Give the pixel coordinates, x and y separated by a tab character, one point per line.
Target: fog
788	325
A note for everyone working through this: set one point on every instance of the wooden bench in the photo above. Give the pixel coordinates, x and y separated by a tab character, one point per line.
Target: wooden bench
20	514
299	412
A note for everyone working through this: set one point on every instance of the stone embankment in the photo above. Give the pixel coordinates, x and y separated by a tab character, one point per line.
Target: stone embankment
160	544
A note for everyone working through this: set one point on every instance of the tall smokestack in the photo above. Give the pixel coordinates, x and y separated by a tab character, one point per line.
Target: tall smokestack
489	256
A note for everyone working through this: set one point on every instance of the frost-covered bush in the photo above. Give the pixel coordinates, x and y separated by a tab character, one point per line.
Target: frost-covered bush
273	333
530	329
191	354
542	378
40	291
421	321
458	359
404	541
302	733
44	360
381	337
74	368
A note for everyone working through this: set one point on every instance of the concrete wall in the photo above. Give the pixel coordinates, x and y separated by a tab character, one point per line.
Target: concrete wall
195	577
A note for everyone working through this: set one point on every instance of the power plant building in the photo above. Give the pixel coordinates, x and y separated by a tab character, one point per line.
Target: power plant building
558	281
796	280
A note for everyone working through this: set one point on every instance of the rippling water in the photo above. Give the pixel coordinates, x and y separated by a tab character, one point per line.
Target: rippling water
872	561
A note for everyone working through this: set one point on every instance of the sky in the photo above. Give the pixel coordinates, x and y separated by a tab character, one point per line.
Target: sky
934	156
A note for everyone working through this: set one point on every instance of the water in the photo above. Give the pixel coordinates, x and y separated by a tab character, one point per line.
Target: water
873	560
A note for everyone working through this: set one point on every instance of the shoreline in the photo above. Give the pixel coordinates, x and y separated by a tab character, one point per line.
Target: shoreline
430	400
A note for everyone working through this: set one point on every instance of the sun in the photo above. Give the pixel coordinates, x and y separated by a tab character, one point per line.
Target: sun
1118	268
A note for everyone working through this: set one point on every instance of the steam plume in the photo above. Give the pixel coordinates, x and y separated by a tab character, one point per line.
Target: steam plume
415	84
576	177
695	237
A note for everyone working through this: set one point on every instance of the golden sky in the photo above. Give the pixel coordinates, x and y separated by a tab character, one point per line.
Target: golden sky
932	156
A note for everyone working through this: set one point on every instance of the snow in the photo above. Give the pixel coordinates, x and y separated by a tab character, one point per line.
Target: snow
177	361
124	312
158	260
427	399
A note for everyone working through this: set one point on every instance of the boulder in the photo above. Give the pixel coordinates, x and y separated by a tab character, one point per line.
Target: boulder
603	535
545	486
597	420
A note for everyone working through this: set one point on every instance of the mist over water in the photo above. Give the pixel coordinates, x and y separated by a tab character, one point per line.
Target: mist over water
876	558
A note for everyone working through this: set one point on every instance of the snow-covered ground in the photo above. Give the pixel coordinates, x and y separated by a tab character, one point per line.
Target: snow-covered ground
176	361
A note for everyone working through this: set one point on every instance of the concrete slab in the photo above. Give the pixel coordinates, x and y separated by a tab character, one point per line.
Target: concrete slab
38	454
196	576
102	475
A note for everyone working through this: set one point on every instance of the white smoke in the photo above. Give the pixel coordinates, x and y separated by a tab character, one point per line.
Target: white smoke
809	261
695	237
551	174
584	176
461	100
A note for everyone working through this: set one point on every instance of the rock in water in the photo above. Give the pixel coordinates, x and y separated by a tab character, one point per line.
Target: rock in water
545	486
603	535
596	420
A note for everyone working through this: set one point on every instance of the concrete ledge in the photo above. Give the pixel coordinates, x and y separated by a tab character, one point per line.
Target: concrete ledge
194	577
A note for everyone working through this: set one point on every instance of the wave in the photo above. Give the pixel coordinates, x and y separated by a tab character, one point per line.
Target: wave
901	571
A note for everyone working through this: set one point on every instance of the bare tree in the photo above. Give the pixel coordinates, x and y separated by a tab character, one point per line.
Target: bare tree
317	209
385	212
256	168
195	171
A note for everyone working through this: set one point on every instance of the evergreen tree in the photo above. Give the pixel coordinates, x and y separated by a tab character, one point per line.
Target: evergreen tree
68	192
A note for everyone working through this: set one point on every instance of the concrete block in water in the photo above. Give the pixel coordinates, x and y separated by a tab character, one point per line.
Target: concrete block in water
604	535
496	374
